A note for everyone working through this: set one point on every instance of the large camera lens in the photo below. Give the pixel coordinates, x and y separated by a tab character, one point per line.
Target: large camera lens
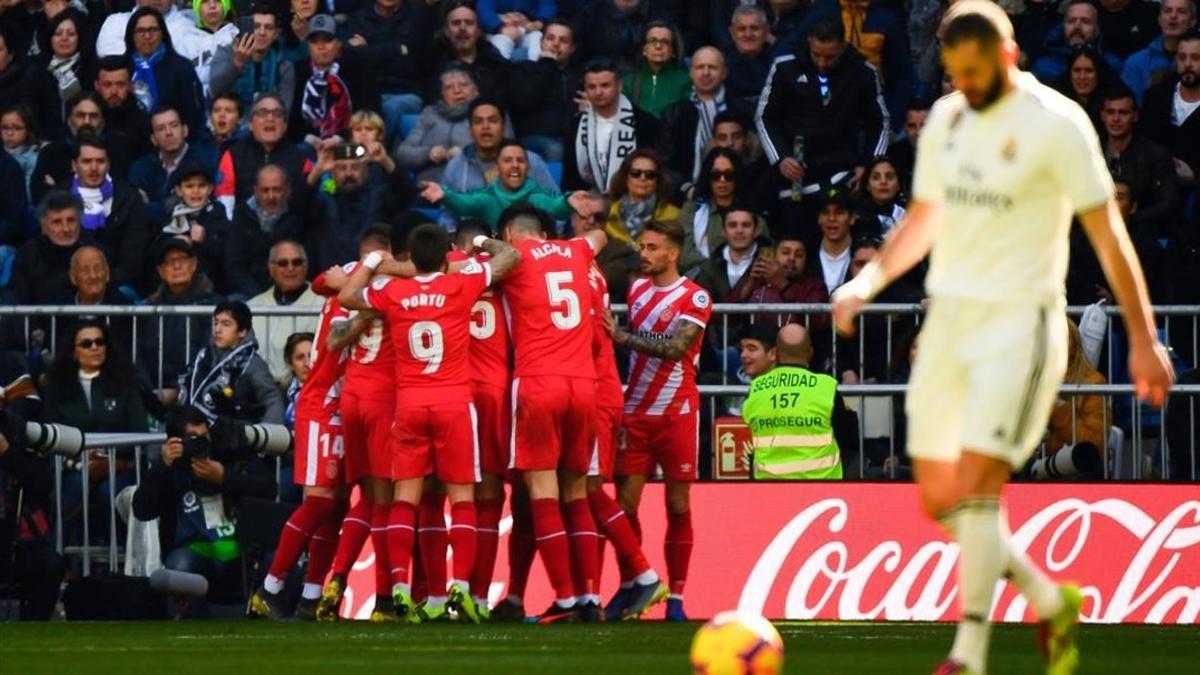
58	439
268	440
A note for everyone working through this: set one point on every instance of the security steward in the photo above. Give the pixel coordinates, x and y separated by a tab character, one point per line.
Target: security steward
792	413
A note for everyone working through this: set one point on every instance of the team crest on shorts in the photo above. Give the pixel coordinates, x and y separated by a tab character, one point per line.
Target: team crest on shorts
331	469
1009	152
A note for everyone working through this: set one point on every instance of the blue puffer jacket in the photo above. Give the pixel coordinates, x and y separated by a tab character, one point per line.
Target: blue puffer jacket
1051	66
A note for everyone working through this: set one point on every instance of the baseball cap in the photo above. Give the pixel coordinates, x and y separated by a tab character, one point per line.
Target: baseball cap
168	244
189	170
322	23
837	195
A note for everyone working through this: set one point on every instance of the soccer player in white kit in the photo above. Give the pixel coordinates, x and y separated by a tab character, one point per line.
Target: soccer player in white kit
1002	165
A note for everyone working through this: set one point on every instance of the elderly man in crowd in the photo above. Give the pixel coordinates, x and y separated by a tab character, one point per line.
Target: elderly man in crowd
288	268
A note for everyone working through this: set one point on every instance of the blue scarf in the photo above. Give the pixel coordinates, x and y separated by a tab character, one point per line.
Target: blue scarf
145	86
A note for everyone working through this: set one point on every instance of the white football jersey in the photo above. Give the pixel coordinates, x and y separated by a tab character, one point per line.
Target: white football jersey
1009	179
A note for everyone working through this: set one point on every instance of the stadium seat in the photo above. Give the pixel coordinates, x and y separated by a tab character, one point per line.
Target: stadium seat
407	122
555	169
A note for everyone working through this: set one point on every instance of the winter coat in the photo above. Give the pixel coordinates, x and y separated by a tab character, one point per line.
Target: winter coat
433	128
655	93
488	203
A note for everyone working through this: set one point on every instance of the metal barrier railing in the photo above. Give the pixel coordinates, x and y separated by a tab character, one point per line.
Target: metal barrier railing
1146	433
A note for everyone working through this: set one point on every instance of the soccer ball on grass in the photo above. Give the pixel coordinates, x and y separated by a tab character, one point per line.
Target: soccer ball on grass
737	644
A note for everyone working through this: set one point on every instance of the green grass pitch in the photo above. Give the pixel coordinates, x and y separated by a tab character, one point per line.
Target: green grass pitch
262	648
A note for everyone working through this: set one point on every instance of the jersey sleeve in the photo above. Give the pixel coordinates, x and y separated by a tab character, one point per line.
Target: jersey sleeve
927	175
697	308
476	277
1078	164
376	294
585	247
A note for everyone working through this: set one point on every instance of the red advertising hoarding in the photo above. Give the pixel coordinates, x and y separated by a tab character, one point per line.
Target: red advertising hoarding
857	551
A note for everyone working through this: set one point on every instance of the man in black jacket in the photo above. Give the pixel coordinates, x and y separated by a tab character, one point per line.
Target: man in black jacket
112	211
195	492
687	126
166	343
363	196
126	126
40	271
1171	115
827	98
542	93
461	40
606	133
238	167
331	85
1145	165
258	223
749	59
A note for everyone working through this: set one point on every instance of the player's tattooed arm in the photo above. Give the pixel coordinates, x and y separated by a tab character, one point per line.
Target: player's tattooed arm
343	333
671	349
503	257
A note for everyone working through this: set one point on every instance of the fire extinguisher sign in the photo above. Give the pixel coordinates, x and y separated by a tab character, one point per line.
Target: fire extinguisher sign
732	445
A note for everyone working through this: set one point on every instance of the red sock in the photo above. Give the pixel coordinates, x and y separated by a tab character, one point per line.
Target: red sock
678	549
521	546
356	527
551	539
297	532
583	537
600	543
431	532
620	531
401	533
420	585
462	539
487	540
380	513
321	548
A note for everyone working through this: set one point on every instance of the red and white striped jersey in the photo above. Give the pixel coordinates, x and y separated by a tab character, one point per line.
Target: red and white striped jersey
322	391
658	387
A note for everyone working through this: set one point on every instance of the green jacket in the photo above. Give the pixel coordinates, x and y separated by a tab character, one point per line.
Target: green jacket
487	203
790	413
656	93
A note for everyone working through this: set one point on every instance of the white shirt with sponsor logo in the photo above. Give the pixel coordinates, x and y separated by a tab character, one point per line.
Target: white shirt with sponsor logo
656	386
1009	178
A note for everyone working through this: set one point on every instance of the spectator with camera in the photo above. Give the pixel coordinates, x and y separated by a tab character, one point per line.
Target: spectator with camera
227	377
93	386
255	63
27	555
194	492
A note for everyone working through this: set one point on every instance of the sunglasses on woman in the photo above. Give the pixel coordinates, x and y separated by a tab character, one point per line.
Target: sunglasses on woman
648	174
88	343
727	175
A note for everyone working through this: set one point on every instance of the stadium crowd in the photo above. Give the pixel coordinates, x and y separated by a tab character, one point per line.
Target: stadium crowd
228	152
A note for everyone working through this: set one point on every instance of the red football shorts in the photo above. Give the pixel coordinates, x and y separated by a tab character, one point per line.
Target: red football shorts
554	423
367	427
608	437
495	422
319	452
669	441
439	438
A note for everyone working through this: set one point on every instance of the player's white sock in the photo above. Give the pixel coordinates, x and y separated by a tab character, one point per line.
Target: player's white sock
645	578
1042	593
401	587
676	596
435	601
626	585
515	600
565	603
466	585
311	591
273	584
983	559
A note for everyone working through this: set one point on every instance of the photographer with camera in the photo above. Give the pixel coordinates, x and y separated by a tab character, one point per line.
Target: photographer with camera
195	492
27	555
227	377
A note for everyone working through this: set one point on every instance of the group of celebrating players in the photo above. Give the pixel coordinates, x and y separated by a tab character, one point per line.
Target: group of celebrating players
478	363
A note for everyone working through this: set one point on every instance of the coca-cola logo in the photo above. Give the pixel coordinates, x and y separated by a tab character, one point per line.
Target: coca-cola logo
1145	569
